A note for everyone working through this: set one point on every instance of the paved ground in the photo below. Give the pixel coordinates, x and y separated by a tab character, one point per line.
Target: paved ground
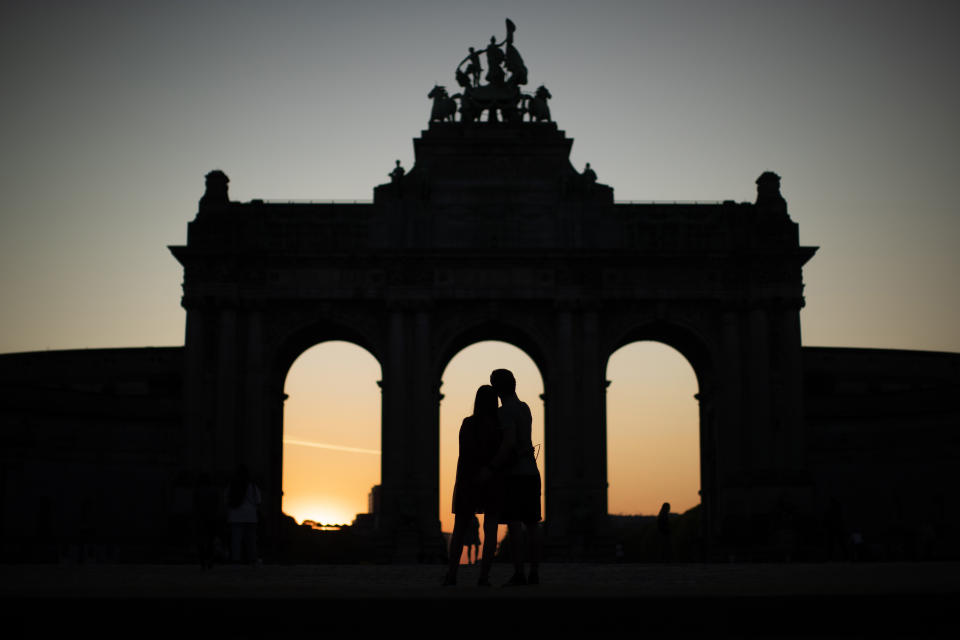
772	600
423	581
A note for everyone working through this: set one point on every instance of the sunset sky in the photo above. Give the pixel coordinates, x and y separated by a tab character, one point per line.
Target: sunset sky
114	111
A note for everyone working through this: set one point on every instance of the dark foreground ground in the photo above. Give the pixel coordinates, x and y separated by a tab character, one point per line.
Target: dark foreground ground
706	600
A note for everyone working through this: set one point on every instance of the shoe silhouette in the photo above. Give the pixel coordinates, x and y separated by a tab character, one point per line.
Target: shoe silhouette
516	581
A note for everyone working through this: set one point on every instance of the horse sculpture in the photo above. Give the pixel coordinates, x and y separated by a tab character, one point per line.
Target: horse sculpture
500	97
537	105
444	107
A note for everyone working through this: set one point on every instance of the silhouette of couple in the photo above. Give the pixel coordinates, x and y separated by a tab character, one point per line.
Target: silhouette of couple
497	476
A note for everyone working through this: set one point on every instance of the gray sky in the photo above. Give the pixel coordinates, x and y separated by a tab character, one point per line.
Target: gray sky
113	113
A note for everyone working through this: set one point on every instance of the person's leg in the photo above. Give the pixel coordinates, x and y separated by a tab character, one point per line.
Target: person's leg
490	523
456	550
535	537
236	542
212	532
245	546
515	531
206	544
251	543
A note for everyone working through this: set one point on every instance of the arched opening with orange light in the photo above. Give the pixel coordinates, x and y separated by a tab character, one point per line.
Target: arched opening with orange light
653	447
331	434
660	443
467	370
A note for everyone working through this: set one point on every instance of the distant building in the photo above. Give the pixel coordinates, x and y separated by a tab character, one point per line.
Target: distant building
373	500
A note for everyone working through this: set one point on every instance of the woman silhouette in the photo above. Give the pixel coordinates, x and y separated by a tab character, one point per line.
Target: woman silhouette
479	441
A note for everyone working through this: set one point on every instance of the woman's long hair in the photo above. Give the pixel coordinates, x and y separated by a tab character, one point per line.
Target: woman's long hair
486	424
485	404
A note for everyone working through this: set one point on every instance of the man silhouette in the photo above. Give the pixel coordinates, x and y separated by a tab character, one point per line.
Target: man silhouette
516	461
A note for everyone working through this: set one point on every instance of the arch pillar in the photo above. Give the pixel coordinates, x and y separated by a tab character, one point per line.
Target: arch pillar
410	440
758	428
561	432
707	401
593	403
575	427
225	412
196	433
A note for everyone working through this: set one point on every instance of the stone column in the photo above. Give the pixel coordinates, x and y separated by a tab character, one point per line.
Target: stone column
273	411
410	438
227	430
197	436
759	397
592	422
560	430
257	440
424	392
393	444
792	454
732	447
708	460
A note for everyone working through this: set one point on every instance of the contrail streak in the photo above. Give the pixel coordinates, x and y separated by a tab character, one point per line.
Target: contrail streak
335	447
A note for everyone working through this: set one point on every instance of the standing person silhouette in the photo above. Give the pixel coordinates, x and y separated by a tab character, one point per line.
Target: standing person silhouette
243	500
207	507
479	442
663	527
521	478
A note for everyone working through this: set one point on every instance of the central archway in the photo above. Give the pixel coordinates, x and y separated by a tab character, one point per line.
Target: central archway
463	374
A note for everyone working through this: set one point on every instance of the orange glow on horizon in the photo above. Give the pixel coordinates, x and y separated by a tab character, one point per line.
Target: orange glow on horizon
322	513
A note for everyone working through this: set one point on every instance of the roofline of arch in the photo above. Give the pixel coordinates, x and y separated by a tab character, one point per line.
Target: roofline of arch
312	333
492	329
681	336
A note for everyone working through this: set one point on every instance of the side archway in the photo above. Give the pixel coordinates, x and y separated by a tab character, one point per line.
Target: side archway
331	433
291	338
653	451
692	343
295	340
690	352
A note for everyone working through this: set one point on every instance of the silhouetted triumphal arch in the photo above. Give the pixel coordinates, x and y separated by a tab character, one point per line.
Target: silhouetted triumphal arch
494	235
491	235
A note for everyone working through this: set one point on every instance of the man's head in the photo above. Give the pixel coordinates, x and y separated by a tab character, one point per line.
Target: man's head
503	382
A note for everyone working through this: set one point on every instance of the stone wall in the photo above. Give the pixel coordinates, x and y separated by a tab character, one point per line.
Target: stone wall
91	453
91	444
883	434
